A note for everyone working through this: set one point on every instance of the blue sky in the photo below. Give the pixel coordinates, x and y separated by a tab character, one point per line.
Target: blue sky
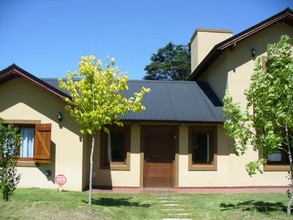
48	37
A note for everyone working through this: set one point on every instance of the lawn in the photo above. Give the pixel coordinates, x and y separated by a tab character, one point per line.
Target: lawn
51	204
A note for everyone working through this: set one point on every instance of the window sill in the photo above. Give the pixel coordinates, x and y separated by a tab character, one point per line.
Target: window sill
26	163
125	167
117	166
202	167
276	167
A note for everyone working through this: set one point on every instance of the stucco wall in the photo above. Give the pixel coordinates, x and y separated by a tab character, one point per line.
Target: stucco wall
239	177
22	100
232	71
230	168
120	178
220	177
203	41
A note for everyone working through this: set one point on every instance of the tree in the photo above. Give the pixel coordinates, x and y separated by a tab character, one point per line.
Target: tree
97	99
10	142
269	100
171	62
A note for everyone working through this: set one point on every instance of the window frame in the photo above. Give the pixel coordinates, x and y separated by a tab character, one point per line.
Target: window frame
278	166
42	144
283	159
212	131
26	126
124	165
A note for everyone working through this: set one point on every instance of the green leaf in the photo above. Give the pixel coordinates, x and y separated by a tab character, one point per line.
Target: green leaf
97	97
269	98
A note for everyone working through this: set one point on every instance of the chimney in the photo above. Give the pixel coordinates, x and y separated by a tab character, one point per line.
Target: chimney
203	41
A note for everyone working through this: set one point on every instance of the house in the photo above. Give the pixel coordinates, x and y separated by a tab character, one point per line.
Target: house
178	141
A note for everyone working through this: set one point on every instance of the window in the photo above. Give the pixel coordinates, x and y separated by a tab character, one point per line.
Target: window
278	161
202	148
115	148
278	157
275	157
27	145
36	141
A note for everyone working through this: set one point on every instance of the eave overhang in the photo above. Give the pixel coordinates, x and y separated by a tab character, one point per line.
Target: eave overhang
284	16
14	71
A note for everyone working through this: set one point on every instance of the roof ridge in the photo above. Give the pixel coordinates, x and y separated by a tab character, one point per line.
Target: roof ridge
160	81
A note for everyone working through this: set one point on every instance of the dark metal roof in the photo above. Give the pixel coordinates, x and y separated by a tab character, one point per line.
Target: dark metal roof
207	89
174	101
181	101
284	16
170	101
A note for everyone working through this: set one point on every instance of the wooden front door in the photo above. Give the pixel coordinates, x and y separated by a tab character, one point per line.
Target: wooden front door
159	156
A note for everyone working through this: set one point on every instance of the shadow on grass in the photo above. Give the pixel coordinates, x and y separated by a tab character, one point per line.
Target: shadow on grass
117	202
252	205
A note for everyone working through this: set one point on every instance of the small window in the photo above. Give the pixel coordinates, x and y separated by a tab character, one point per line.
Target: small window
202	148
27	144
36	142
115	148
275	157
278	161
278	157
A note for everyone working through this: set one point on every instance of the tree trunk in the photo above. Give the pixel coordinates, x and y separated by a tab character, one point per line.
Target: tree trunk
291	170
91	168
290	204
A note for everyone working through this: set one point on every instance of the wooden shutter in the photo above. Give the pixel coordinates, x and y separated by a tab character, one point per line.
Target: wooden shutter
42	151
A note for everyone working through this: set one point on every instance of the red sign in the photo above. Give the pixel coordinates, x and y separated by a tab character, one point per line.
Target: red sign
60	179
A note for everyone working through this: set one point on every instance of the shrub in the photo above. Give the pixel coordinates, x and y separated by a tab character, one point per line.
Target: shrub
10	142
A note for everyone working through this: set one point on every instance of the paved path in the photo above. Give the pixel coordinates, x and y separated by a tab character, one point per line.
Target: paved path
172	208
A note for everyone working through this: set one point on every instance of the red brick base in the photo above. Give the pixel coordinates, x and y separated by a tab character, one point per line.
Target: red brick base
194	190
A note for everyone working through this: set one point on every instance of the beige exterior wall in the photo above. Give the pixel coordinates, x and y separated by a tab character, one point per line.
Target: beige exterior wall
22	100
203	41
240	62
232	71
120	178
230	168
220	177
239	176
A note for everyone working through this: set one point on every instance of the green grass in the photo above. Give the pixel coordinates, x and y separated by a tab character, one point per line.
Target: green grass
51	204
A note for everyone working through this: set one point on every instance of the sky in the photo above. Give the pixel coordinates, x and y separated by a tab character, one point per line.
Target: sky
48	37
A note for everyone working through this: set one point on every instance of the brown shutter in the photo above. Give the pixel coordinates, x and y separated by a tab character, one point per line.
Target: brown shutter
42	151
